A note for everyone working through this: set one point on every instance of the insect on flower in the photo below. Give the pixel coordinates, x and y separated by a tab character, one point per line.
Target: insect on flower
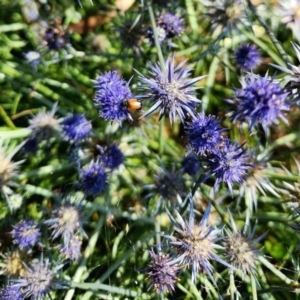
133	105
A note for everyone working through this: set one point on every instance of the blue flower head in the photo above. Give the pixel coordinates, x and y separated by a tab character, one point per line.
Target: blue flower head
66	221
112	94
191	164
111	156
11	293
195	244
38	280
260	100
71	250
229	163
204	133
25	234
170	90
93	178
76	128
172	24
247	57
162	272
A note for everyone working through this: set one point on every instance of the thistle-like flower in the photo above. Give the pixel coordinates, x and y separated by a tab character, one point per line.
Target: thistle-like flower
25	234
72	249
112	94
204	133
11	293
162	272
170	90
44	126
241	249
93	178
260	100
38	280
172	24
191	164
13	263
229	163
8	168
66	221
225	14
247	57
196	244
256	183
111	156
76	128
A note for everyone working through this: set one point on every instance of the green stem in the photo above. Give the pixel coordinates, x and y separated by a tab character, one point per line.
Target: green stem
254	290
156	41
276	272
161	137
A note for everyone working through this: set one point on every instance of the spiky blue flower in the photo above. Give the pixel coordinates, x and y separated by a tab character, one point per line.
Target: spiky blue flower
112	94
76	127
241	249
170	90
66	221
25	234
229	163
38	280
93	178
11	293
162	272
191	164
204	133
172	24
247	57
260	100
111	156
71	250
44	126
196	243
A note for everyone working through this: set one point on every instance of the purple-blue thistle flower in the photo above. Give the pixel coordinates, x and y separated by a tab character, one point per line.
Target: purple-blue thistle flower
11	293
260	100
190	164
204	133
25	234
162	272
195	244
66	221
93	178
111	156
112	94
229	163
172	24
72	249
170	90
76	127
247	57
37	281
